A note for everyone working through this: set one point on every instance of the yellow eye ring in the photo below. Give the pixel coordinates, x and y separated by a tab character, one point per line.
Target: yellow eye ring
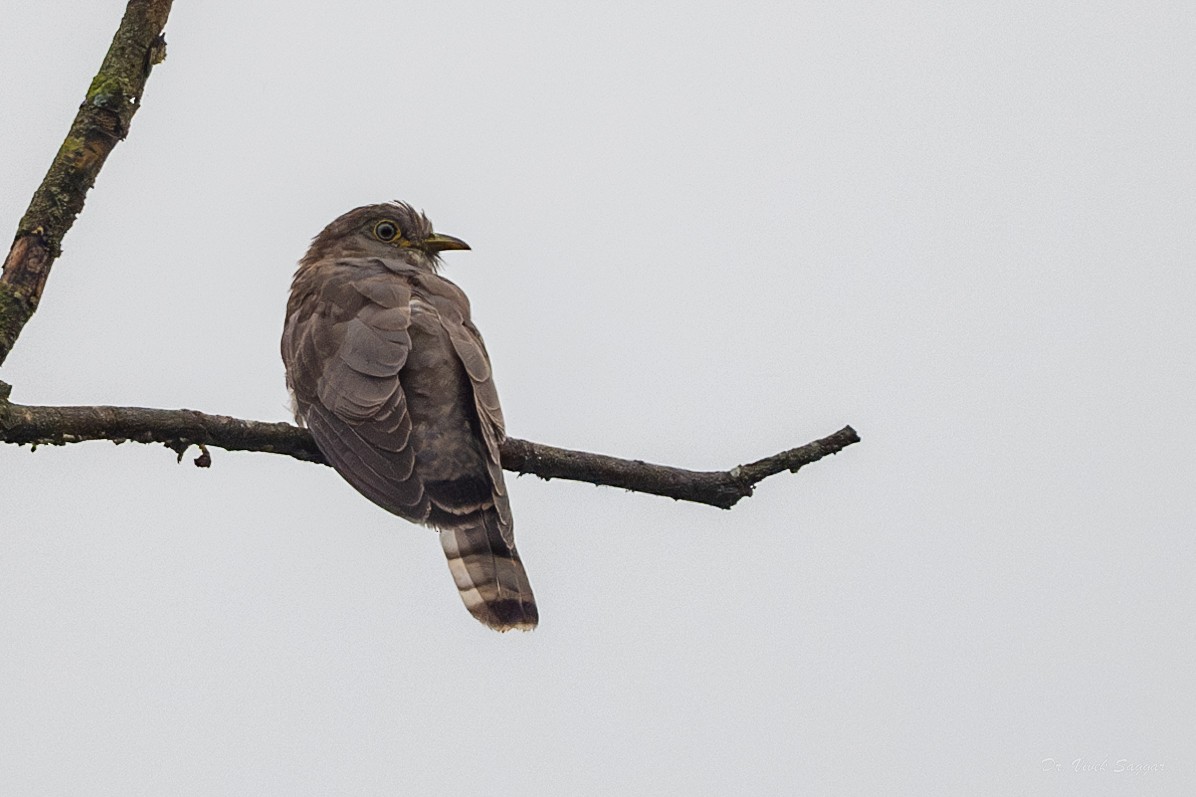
386	230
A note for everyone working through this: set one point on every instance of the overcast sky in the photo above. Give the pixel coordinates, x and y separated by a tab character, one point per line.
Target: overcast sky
702	233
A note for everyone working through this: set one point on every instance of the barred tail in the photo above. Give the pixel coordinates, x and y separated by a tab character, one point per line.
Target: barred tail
489	575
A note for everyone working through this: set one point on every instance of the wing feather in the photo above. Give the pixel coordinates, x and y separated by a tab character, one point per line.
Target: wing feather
468	345
346	351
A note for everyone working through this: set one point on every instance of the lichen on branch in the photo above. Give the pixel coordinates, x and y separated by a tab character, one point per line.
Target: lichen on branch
103	119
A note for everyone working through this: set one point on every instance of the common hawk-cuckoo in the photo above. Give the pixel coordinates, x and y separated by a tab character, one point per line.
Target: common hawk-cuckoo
392	378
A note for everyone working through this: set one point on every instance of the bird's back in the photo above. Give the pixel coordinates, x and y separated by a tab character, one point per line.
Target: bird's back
393	380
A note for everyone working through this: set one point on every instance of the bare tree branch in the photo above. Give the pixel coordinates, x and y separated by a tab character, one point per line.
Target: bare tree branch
721	488
103	120
180	429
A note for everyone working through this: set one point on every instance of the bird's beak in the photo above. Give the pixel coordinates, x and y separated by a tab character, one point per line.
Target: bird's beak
438	243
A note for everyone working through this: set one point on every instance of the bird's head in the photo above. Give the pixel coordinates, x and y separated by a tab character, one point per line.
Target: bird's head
389	230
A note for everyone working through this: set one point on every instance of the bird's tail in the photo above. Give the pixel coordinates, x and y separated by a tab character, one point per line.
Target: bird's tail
489	575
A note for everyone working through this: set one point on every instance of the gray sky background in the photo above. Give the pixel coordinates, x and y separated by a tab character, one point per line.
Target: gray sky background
703	232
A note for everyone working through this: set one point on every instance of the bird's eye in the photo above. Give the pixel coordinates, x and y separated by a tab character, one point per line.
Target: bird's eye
386	230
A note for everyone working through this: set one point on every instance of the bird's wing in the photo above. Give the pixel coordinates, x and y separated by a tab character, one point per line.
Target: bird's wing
344	352
453	310
480	542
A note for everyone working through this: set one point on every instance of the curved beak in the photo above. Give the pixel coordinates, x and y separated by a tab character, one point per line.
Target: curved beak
439	243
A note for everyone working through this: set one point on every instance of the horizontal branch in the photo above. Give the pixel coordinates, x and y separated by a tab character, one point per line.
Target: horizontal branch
180	429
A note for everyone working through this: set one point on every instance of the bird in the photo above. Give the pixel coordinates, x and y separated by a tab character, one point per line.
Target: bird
389	374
